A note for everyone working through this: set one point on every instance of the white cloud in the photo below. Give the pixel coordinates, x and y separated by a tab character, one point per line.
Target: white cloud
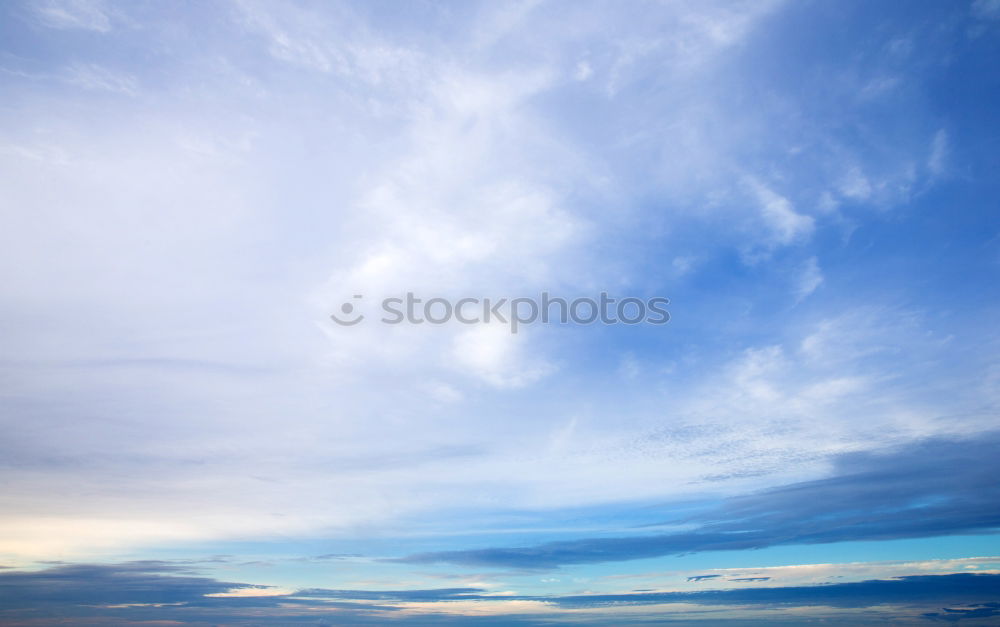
809	279
937	160
782	224
95	77
73	14
492	353
332	40
802	574
855	185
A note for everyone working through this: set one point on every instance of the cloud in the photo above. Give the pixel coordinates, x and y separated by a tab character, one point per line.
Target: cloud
783	226
955	614
931	488
922	589
855	185
495	355
436	594
140	592
95	584
810	278
937	160
123	593
95	77
73	14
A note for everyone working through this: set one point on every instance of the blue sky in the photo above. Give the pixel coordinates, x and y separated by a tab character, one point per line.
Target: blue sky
189	190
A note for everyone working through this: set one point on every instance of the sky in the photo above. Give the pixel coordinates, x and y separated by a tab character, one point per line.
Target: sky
190	190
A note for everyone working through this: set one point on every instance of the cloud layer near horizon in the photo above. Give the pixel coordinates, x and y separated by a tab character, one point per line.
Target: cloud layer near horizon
142	591
935	487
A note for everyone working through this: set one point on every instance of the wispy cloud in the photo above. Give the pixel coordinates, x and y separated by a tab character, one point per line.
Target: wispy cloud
90	15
